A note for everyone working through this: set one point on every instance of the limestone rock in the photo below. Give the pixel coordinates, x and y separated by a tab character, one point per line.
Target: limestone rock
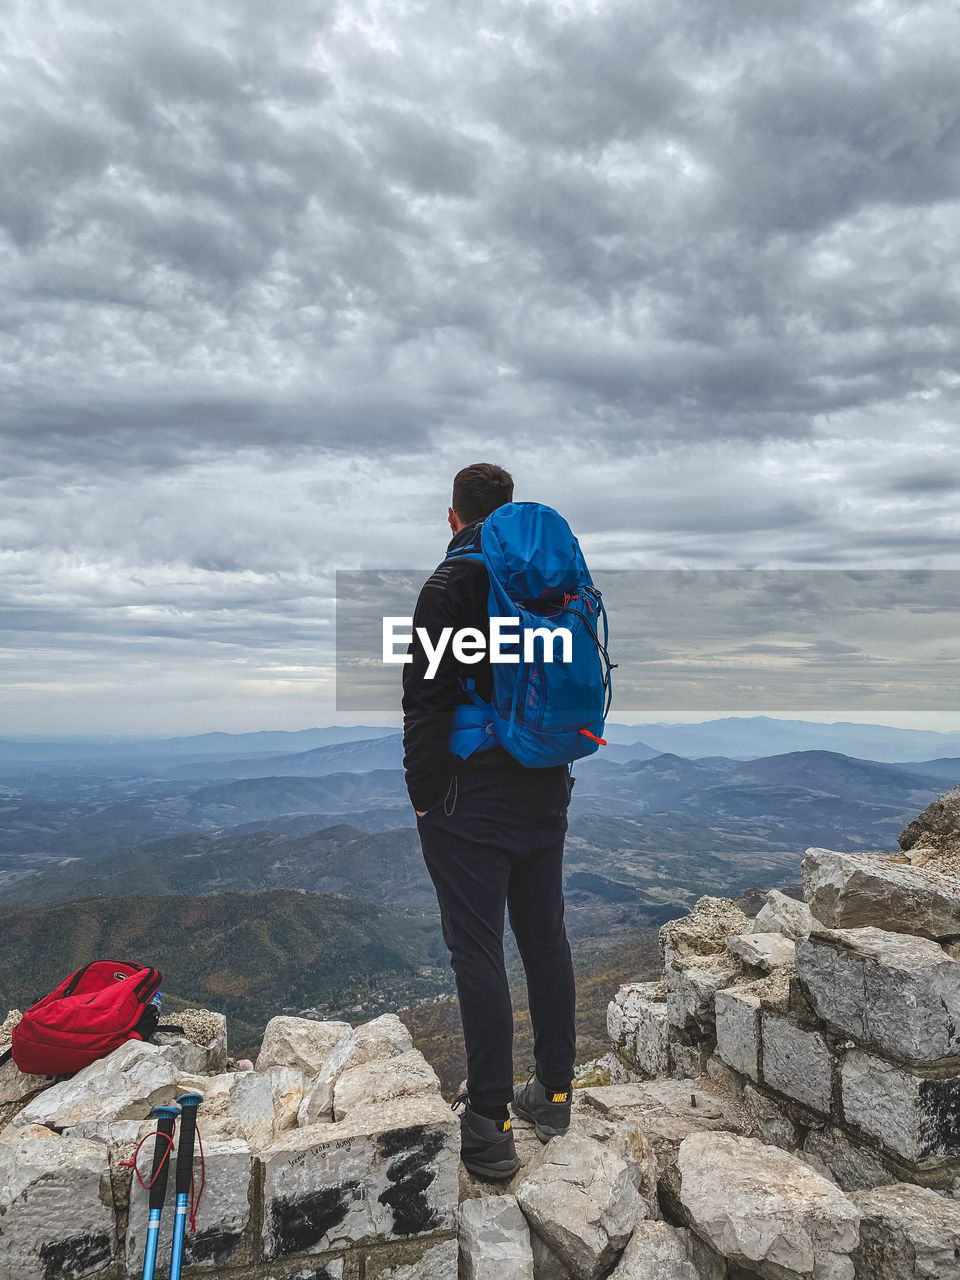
657	1252
897	993
836	1155
333	1269
914	1115
688	1061
620	1073
494	1240
255	1106
6	1027
547	1265
782	914
624	1136
407	1076
738	1030
937	827
438	1263
223	1215
704	932
13	1135
766	1210
907	1233
584	1200
56	1213
388	1171
770	1121
692	991
850	890
122	1086
375	1041
300	1043
763	951
696	964
201	1048
710	1264
15	1085
665	1111
110	1132
796	1062
637	1026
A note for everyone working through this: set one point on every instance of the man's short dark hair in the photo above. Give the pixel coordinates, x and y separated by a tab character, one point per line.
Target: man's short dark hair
480	489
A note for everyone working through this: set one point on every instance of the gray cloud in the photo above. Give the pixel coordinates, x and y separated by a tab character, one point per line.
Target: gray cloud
272	275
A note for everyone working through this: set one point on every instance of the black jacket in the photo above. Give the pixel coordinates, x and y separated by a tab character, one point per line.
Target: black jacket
455	595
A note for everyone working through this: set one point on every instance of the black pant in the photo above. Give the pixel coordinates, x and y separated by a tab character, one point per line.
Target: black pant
496	840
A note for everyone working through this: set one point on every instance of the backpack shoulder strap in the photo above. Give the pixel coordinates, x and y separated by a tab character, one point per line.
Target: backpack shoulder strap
5	1057
467	554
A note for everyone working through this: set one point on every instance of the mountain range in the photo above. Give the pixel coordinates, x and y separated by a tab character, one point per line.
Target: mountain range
644	835
739	737
786	801
261	877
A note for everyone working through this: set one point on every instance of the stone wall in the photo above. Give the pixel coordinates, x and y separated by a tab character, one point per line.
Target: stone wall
829	1033
334	1159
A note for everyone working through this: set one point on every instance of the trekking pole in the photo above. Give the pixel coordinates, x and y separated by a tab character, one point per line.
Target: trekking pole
188	1103
166	1119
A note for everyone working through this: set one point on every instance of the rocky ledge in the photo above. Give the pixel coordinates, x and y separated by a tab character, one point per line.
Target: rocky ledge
783	1102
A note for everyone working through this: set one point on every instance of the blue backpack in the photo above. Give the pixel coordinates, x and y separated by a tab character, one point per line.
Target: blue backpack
543	713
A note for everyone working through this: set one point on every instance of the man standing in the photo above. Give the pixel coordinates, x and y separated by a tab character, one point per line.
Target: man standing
492	833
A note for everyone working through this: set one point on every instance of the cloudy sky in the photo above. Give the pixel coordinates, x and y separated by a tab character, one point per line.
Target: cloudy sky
271	273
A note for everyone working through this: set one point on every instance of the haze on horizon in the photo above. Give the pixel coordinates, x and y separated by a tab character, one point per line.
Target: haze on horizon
269	282
935	723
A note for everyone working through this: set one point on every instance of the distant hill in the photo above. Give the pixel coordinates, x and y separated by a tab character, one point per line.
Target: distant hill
59	819
621	751
102	747
799	787
344	757
249	955
385	819
385	867
225	804
745	737
948	769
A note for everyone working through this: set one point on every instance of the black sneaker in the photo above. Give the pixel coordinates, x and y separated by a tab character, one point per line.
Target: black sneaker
487	1148
548	1110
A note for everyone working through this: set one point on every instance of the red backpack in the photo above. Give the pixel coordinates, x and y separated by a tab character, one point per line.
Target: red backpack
89	1015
